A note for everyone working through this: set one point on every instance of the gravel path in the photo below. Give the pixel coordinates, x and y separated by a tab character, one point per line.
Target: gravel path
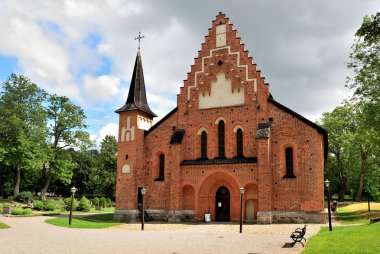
32	235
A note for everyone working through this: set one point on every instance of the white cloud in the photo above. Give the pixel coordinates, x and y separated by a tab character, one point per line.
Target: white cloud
302	52
100	88
108	129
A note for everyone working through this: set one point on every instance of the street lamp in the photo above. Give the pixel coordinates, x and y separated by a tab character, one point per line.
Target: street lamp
352	195
327	183
241	208
143	191
72	190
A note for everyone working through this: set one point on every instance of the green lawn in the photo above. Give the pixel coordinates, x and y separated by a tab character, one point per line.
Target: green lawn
2	225
345	239
92	210
349	239
357	213
100	217
92	221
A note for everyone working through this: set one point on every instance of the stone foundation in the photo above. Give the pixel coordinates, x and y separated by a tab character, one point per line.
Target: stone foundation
157	215
290	217
126	215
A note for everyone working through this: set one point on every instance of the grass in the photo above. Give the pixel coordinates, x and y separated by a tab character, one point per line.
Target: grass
100	217
2	225
92	210
349	239
92	221
357	213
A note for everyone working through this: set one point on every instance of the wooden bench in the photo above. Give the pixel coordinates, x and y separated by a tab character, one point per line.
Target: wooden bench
298	235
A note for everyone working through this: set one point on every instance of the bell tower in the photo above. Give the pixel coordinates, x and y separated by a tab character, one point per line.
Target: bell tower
134	117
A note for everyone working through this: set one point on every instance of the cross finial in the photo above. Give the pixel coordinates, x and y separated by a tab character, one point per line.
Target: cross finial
139	38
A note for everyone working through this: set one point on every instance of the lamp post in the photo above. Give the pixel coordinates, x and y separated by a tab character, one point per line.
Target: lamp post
241	208
352	195
327	183
143	191
368	197
72	190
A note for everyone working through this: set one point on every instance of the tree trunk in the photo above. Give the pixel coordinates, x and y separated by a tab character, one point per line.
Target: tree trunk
341	194
361	181
16	189
45	188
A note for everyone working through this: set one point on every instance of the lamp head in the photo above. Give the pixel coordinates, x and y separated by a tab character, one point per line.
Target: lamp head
143	191
327	183
73	190
242	190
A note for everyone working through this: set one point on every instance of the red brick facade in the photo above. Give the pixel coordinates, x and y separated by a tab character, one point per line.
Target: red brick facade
190	184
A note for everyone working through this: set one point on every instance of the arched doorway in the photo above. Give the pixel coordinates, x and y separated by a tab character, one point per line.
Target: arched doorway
222	206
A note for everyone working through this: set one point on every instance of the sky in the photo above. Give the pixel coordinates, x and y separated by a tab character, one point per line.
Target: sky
85	50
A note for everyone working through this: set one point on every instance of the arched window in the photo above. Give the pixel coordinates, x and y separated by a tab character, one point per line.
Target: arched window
221	152
239	143
161	172
204	145
289	162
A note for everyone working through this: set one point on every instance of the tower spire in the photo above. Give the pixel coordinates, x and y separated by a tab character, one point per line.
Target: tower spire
137	94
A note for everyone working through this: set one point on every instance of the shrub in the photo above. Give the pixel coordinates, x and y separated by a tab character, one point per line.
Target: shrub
21	211
84	205
68	204
60	204
28	211
25	196
95	201
103	202
109	202
50	206
38	206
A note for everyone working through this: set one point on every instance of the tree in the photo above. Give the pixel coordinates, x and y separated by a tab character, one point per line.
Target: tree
353	148
22	126
85	163
341	161
65	129
103	177
365	63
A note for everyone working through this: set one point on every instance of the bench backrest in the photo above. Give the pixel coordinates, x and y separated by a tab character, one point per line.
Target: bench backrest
303	230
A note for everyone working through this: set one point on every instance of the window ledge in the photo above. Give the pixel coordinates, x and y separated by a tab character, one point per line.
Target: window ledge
289	176
159	179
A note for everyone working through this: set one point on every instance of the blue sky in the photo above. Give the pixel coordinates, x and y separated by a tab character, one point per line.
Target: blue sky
86	49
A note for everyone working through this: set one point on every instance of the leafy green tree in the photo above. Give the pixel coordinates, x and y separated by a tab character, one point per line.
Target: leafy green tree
341	161
85	163
22	126
65	129
353	149
103	177
365	63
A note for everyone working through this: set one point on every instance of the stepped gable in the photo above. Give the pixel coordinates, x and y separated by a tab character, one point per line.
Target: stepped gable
223	52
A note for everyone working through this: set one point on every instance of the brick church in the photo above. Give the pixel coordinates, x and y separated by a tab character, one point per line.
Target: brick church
226	133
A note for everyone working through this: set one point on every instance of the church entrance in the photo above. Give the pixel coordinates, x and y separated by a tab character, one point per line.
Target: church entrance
222	206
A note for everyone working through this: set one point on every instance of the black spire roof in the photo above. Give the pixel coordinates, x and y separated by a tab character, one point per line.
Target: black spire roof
137	95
